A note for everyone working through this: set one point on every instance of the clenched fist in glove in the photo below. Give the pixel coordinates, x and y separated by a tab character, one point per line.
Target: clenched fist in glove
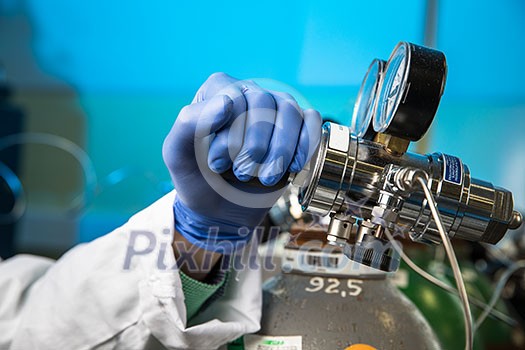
234	126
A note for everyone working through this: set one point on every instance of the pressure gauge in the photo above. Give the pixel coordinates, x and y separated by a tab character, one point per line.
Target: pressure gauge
411	88
365	105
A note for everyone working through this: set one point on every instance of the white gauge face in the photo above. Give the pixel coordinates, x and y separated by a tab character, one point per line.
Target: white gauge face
366	100
393	86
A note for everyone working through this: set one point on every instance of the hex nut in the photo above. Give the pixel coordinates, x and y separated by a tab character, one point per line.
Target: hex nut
387	215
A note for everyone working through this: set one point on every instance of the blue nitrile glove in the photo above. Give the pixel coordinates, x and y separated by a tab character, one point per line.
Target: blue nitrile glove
234	123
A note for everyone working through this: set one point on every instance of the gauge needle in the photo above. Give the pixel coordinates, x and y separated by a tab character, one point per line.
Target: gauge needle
393	93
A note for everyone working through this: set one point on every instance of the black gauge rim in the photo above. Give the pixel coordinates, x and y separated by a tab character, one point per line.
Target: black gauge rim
421	91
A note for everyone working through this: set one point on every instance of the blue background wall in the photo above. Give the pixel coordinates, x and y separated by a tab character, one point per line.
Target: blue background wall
134	64
166	46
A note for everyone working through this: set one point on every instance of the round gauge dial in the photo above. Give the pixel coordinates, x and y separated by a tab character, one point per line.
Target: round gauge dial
365	105
395	80
410	91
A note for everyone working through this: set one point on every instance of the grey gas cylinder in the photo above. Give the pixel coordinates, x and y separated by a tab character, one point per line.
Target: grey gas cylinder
335	309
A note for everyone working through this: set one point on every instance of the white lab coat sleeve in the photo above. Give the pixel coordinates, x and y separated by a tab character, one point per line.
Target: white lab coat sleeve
121	291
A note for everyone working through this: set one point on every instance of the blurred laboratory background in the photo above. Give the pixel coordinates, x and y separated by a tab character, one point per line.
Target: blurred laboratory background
89	89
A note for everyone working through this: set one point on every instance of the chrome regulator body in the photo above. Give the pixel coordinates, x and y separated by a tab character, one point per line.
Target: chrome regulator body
364	177
348	176
357	182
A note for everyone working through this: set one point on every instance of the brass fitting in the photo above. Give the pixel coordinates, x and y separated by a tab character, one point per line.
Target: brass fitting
393	145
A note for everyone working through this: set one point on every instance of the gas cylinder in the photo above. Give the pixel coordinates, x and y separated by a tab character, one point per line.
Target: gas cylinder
322	300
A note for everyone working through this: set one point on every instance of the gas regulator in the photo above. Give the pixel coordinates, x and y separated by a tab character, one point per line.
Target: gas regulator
364	178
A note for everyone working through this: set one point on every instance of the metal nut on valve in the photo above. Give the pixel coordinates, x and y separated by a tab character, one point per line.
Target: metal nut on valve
381	215
340	229
405	178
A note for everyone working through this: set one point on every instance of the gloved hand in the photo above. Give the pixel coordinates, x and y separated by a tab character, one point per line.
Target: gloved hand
231	123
